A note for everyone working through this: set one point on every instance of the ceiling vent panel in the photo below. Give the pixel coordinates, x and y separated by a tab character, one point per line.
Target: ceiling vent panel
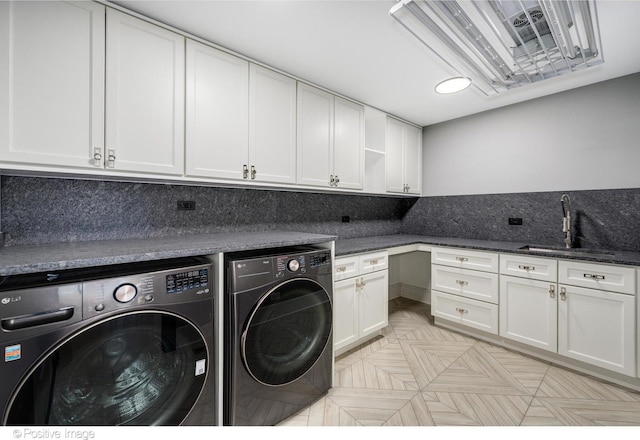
504	44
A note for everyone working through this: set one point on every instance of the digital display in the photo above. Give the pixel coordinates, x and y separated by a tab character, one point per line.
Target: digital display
193	279
320	259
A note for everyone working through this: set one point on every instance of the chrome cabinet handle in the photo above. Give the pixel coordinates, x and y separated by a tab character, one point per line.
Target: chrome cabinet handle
332	180
552	291
253	172
462	283
461	311
336	181
594	276
245	171
462	259
341	269
527	268
111	158
373	262
563	293
97	157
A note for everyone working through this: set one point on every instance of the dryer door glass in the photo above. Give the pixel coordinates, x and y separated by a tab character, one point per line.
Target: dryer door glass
134	369
287	332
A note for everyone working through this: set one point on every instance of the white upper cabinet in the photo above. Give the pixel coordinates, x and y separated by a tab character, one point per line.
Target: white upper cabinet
315	136
217	113
403	157
51	83
240	118
330	140
272	126
144	96
348	147
413	159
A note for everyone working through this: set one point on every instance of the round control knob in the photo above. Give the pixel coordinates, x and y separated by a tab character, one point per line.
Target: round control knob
125	293
293	265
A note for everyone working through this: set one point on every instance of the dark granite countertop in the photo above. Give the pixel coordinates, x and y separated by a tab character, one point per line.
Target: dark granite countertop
368	244
17	260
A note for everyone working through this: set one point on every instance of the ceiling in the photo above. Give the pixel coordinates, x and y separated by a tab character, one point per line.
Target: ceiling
356	49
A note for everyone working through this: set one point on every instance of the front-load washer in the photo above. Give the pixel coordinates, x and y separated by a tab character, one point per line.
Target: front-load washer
116	345
278	334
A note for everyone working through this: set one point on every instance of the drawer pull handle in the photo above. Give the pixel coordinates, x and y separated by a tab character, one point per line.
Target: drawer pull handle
563	293
462	259
527	268
462	283
373	262
341	269
461	311
594	276
552	291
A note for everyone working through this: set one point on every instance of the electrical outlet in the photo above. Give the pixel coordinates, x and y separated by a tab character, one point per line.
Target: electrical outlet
346	219
515	221
186	205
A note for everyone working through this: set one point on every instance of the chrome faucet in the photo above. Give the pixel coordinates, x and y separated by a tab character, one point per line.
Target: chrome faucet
566	220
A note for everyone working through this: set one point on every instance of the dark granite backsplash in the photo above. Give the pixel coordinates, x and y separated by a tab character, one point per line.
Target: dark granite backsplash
39	210
601	219
46	210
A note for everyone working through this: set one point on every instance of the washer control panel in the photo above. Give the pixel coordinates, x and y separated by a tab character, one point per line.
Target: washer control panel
162	287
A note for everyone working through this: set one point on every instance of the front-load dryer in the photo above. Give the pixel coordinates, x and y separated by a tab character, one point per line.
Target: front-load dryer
278	334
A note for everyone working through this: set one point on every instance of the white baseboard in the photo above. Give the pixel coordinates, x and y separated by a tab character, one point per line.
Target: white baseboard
419	294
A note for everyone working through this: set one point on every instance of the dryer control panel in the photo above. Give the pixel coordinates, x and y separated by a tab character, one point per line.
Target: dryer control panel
248	273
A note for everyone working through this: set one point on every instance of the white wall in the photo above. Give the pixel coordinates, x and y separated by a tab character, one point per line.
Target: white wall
586	138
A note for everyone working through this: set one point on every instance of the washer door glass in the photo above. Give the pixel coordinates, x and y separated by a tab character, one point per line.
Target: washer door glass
287	332
134	369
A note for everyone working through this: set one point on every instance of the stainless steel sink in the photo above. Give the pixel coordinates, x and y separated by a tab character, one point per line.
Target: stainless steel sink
567	252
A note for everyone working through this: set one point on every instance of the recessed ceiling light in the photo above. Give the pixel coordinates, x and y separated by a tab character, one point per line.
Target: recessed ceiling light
452	85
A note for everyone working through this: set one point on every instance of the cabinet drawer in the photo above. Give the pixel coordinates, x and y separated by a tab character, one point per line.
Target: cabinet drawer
485	261
374	262
345	267
473	284
532	268
598	276
477	314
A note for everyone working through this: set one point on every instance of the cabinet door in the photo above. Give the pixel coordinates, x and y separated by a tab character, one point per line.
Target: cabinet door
413	159
217	113
598	328
394	155
51	83
315	135
272	126
528	312
345	313
348	147
145	96
373	299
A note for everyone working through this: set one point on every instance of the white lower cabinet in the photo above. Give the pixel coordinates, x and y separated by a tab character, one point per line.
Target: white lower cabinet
360	301
528	312
595	326
464	287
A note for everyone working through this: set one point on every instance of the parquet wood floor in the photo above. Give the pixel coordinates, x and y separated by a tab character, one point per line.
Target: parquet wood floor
417	374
